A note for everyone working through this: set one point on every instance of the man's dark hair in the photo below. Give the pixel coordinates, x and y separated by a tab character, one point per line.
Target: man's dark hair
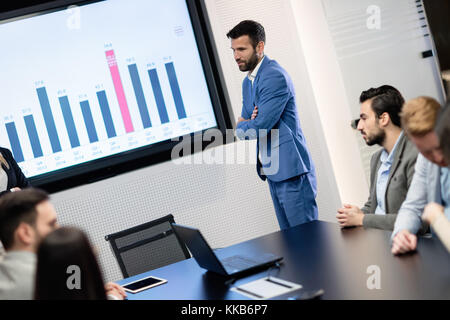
385	99
252	29
443	130
15	208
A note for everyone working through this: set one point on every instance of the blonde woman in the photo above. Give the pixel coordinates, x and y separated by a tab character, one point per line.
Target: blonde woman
11	176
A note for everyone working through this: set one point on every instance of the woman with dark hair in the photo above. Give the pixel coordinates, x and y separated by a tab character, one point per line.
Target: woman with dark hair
436	215
67	269
11	176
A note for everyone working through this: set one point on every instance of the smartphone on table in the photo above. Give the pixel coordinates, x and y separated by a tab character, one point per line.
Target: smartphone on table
143	284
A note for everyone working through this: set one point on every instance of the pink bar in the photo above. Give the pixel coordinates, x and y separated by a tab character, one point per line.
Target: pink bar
112	63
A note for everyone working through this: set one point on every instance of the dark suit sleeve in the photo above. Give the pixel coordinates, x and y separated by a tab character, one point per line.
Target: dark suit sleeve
243	134
410	169
244	113
366	208
376	221
21	181
373	165
372	220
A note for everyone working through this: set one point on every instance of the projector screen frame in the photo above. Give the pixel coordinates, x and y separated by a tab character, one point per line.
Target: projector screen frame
134	159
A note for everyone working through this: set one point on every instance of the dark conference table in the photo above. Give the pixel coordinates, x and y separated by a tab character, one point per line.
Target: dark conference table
318	255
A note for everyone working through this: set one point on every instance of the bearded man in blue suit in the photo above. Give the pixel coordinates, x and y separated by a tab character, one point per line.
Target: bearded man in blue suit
269	114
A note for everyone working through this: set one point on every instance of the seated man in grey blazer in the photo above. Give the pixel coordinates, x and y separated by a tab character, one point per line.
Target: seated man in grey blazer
431	180
391	168
26	217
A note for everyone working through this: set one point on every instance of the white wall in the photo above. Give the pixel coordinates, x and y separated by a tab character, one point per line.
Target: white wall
380	42
345	55
329	92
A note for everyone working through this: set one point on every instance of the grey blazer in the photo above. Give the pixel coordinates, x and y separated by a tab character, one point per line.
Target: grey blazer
400	177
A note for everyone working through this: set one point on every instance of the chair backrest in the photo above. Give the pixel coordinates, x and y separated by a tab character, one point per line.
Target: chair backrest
148	246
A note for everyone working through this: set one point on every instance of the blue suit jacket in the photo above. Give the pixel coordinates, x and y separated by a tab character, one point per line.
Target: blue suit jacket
285	150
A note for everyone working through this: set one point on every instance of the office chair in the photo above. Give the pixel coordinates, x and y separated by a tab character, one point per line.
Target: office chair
148	246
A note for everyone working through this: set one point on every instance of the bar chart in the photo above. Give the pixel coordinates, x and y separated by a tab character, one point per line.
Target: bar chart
92	125
99	91
14	140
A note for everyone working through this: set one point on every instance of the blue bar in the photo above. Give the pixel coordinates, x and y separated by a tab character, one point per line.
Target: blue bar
139	95
33	136
158	95
14	140
89	121
49	120
175	90
106	113
70	124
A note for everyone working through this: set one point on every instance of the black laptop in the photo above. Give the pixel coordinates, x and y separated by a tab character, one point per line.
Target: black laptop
227	266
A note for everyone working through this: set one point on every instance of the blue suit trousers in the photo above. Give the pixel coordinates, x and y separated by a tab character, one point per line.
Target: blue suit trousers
294	200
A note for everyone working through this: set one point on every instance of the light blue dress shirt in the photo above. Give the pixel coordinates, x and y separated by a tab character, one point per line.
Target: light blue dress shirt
425	188
445	190
383	176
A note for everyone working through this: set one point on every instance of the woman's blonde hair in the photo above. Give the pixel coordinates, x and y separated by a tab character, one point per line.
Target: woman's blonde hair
419	116
3	161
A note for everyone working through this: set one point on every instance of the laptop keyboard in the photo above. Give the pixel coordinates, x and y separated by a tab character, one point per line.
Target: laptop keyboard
238	263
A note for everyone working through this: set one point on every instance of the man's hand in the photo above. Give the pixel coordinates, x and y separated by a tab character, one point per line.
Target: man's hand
349	216
431	212
404	242
240	119
255	113
115	290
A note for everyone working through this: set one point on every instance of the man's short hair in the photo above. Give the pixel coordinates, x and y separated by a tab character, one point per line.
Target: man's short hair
252	29
443	130
15	208
419	116
385	99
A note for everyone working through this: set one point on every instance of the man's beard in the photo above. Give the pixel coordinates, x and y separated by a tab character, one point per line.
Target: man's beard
378	138
251	64
38	239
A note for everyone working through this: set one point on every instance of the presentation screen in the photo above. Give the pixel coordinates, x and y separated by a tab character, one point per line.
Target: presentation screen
84	86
